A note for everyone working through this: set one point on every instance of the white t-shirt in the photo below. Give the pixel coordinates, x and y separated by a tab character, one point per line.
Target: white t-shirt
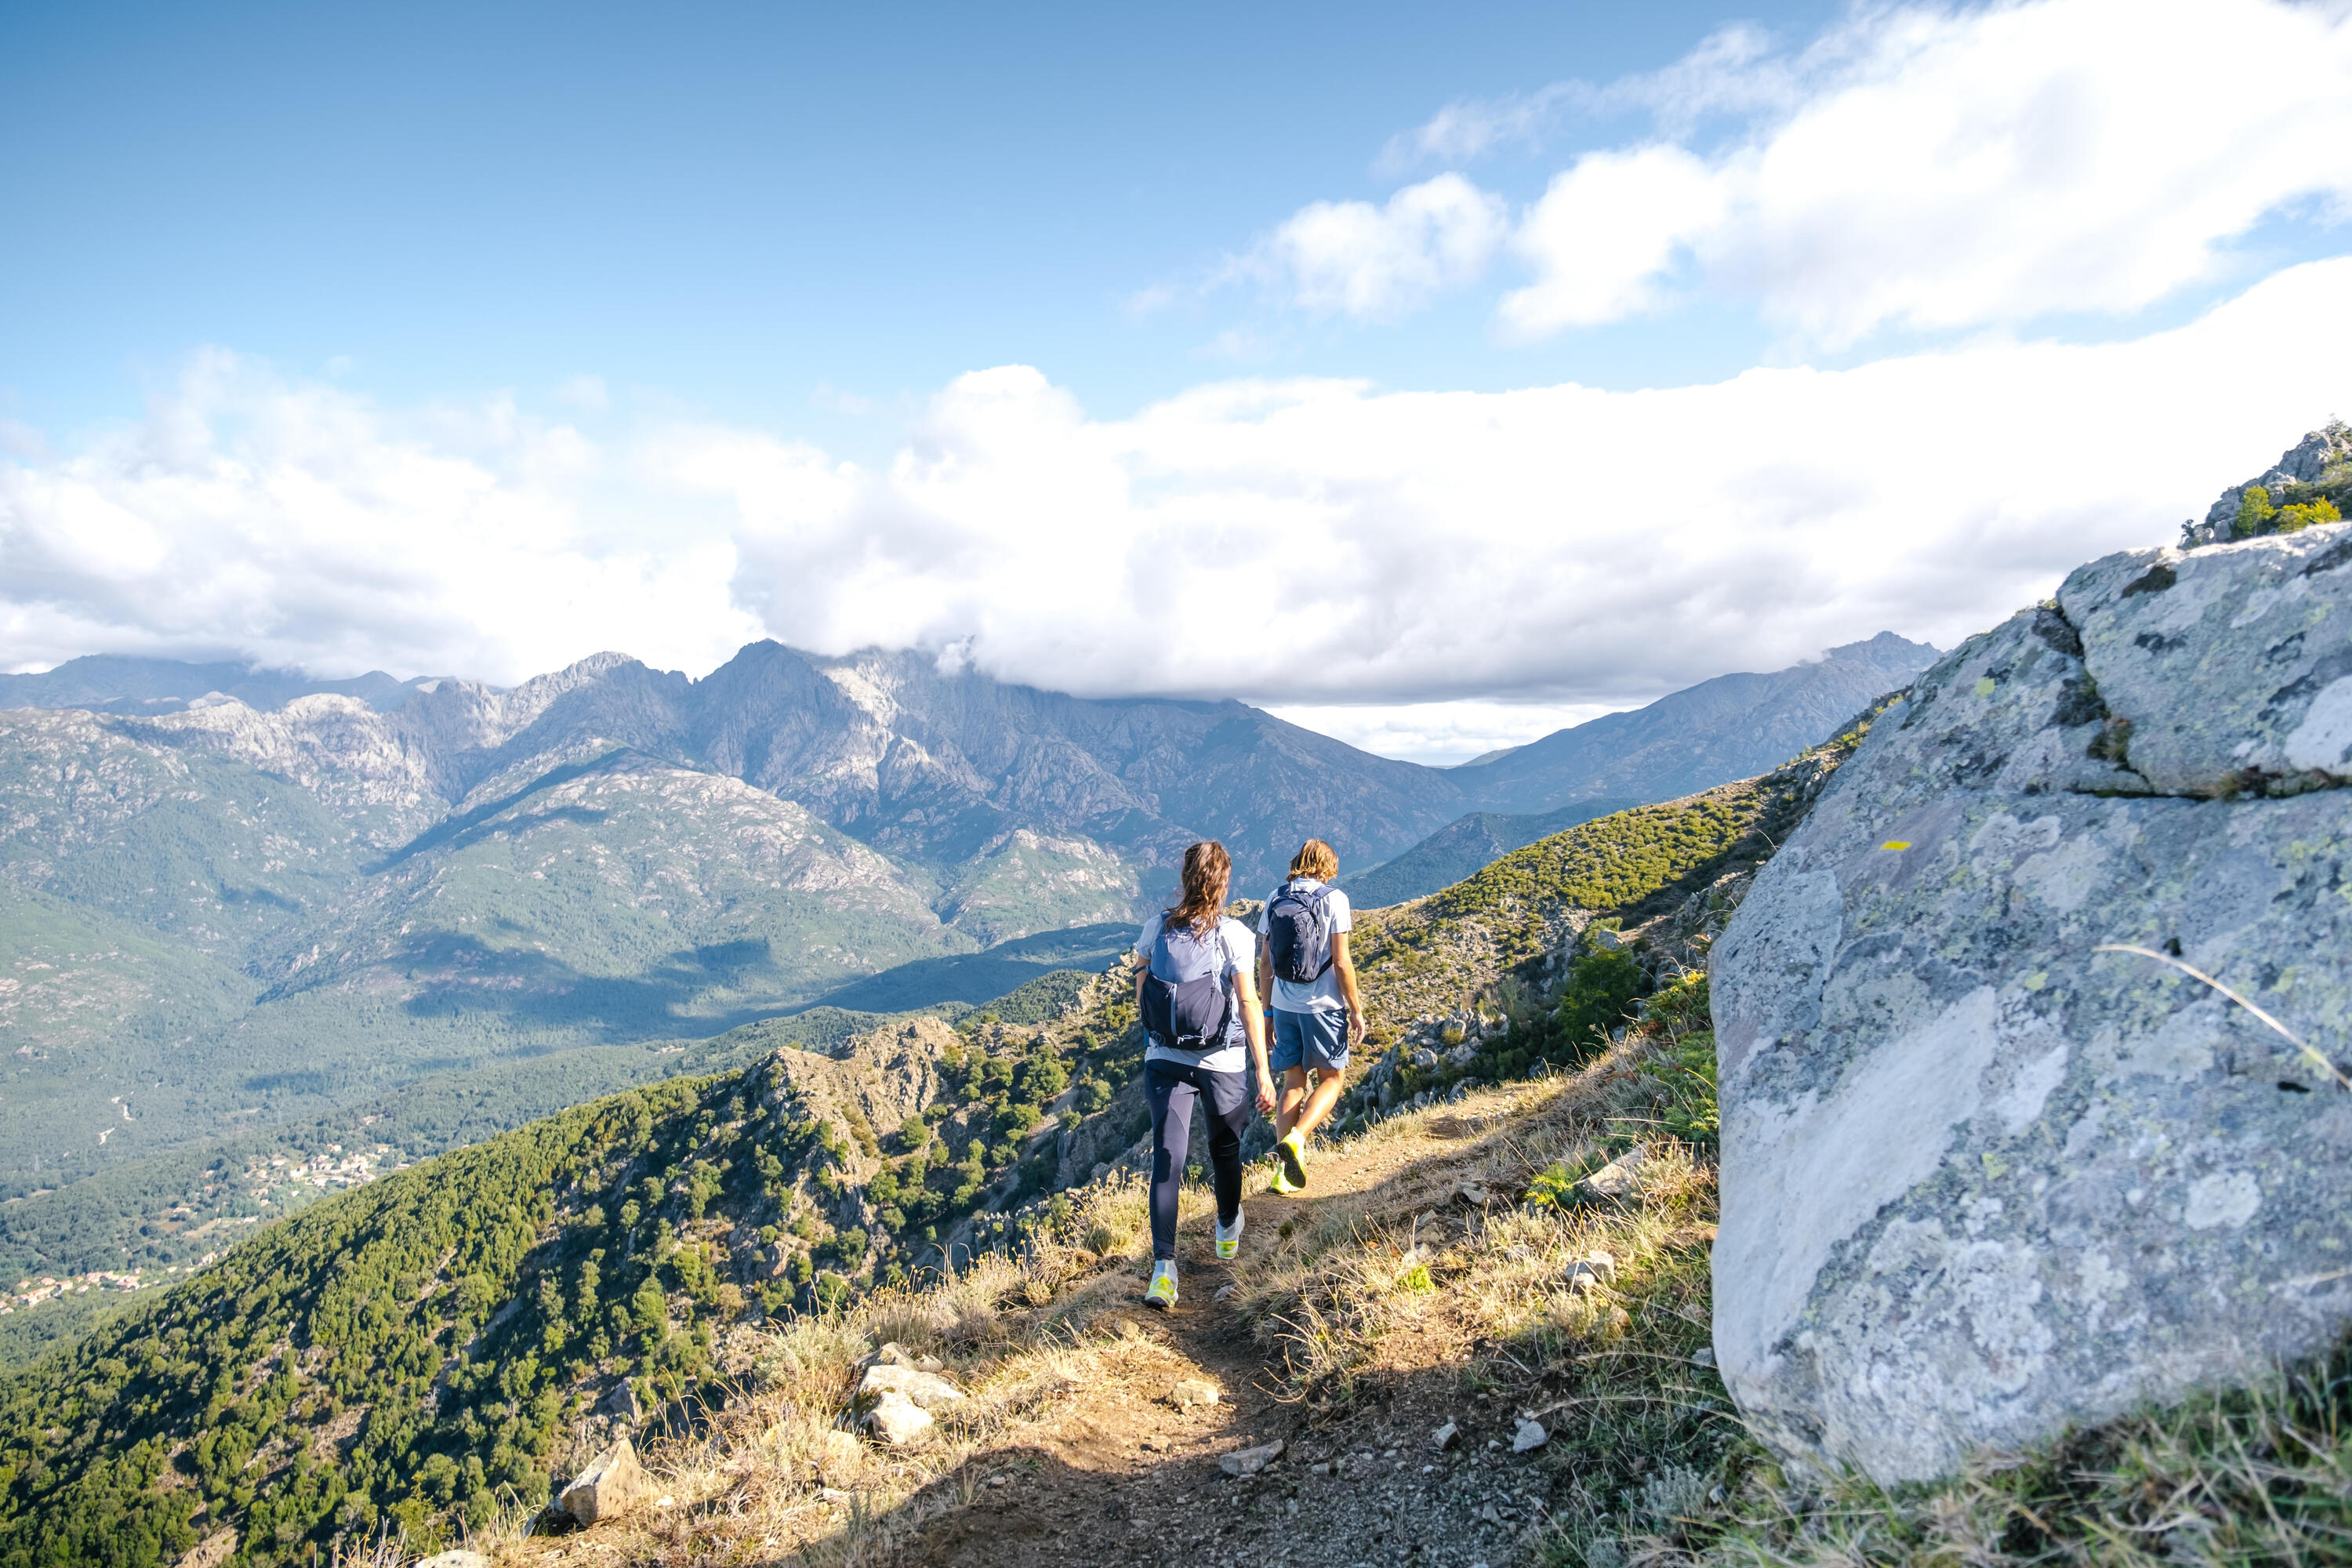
1240	954
1323	994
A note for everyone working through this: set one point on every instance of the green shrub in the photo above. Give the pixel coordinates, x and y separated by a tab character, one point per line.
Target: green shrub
2295	518
1600	991
1550	1188
1691	1114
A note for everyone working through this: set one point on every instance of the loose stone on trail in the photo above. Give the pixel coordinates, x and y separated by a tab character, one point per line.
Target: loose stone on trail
1191	1392
1444	1436
1617	1178
1244	1462
1530	1434
1591	1271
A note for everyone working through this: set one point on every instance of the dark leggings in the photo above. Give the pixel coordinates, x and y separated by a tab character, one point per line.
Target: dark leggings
1172	1086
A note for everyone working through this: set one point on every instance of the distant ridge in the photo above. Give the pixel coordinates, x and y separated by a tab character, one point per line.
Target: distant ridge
1461	848
1732	727
1735	726
114	683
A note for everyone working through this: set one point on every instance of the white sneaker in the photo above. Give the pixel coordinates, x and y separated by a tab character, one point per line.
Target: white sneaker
1162	1292
1229	1242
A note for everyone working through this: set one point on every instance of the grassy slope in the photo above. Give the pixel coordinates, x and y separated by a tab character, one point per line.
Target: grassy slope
423	1347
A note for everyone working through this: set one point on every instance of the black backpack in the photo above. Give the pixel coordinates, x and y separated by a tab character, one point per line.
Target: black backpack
1299	931
1184	1006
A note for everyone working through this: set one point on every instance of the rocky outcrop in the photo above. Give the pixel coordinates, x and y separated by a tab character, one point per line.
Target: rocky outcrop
2304	463
1983	1177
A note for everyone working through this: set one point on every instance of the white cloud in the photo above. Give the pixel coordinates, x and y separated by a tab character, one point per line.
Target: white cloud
1990	166
1354	259
1309	543
1467	129
297	524
1606	233
1930	169
1732	70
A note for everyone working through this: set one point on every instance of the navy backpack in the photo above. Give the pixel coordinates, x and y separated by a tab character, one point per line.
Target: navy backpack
1184	1006
1298	930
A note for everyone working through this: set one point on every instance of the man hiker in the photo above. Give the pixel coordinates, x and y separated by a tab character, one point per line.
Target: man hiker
1199	1000
1318	1011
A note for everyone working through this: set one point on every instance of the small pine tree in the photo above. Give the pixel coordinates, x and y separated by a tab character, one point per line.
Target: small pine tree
2254	513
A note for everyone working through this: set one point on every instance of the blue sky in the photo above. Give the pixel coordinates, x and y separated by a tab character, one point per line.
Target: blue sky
1520	363
735	206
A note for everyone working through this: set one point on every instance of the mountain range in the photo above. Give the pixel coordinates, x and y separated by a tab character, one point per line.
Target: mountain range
231	900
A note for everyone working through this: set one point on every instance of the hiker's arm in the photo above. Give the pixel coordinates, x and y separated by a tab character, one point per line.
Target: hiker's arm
1345	967
1265	965
1254	1021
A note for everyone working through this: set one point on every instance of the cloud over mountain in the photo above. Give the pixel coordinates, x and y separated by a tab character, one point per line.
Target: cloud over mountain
1303	542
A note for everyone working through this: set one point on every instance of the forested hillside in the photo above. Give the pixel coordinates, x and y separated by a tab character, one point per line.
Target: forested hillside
405	1351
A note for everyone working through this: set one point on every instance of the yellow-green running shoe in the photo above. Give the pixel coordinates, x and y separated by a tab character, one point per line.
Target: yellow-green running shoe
1229	1242
1281	1182
1292	1152
1162	1290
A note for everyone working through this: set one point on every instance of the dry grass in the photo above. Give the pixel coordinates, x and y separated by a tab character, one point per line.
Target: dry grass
1410	1275
779	1474
2256	1476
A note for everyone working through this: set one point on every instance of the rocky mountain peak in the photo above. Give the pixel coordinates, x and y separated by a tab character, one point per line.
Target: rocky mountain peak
2322	460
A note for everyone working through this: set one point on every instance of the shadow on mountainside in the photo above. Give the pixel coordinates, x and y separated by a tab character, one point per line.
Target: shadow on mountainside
982	976
467	827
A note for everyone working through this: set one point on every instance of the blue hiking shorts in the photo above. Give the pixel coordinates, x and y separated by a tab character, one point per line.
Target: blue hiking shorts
1318	1039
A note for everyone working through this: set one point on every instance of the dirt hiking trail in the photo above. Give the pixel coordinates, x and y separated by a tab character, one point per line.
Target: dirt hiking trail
1125	1476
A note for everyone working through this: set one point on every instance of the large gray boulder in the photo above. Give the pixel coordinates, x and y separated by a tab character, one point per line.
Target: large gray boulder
1979	1179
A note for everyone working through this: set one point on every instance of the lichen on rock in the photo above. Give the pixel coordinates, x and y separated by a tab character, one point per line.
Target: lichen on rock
1980	1179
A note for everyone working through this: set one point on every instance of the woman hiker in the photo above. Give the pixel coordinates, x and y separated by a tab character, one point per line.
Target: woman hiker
1318	1010
1199	1002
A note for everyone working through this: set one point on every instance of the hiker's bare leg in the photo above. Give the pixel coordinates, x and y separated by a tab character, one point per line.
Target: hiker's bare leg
1318	1105
1294	1095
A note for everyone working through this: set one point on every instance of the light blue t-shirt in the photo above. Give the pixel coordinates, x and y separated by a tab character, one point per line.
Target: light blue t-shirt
1321	994
1233	1054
